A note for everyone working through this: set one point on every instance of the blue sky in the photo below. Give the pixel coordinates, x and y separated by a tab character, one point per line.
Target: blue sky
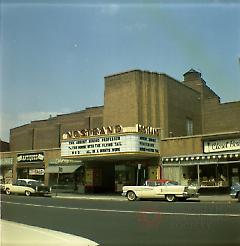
55	54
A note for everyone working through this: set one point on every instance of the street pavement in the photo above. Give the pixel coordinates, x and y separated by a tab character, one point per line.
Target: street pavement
118	222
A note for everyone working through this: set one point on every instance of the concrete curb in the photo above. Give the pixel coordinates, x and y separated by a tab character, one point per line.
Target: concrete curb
207	199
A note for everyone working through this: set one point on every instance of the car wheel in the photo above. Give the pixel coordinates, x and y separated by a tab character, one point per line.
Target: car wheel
131	196
8	192
170	198
28	193
238	196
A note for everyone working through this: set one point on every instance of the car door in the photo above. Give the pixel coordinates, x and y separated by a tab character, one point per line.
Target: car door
22	186
172	188
147	190
159	190
14	187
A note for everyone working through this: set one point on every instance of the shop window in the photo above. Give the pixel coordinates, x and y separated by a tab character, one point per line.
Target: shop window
213	175
189	175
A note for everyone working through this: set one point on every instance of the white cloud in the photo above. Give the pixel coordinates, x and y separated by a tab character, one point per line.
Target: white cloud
11	121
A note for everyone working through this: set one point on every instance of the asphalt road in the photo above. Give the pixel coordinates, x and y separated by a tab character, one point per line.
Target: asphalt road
123	223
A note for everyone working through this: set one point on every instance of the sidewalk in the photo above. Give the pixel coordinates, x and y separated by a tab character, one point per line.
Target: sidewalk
117	197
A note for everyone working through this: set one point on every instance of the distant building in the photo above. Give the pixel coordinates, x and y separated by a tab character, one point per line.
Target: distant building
150	126
4	146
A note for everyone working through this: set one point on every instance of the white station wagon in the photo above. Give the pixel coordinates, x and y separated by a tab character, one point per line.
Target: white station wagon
160	189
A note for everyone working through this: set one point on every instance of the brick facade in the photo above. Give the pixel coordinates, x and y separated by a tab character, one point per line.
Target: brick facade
46	134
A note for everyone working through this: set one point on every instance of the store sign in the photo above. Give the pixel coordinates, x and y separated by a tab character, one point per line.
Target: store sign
130	143
74	134
221	145
30	157
8	161
38	171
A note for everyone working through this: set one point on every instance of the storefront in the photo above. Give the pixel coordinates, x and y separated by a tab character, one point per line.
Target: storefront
218	166
114	156
66	175
31	165
6	165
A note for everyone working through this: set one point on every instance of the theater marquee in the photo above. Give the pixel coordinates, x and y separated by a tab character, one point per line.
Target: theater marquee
105	145
109	130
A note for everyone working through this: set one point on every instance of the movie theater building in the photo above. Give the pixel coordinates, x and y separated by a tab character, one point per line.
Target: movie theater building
103	148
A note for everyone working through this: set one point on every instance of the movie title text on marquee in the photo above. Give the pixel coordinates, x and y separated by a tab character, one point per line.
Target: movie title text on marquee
110	145
221	145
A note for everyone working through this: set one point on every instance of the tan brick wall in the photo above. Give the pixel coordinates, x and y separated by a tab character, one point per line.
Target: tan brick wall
46	134
21	138
221	117
4	146
151	99
181	146
46	137
183	103
120	100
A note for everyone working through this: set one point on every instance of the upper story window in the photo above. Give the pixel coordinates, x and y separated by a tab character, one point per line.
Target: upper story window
189	126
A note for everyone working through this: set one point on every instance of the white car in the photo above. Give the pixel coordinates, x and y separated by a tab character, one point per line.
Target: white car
16	234
27	187
164	189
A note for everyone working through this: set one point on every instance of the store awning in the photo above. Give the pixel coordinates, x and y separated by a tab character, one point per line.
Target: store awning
203	159
62	169
6	162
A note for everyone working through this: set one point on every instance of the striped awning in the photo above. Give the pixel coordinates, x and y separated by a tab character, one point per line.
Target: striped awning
199	158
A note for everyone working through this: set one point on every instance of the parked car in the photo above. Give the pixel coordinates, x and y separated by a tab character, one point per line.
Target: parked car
28	187
2	187
157	189
235	191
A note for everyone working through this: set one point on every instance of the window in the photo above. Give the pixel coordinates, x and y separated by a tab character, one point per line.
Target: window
189	126
21	183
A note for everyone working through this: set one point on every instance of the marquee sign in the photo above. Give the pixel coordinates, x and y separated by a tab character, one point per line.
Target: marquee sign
109	130
30	157
221	145
105	145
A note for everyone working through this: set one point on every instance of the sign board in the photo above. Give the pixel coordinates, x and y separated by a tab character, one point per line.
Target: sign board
109	130
221	145
39	171
30	157
130	143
